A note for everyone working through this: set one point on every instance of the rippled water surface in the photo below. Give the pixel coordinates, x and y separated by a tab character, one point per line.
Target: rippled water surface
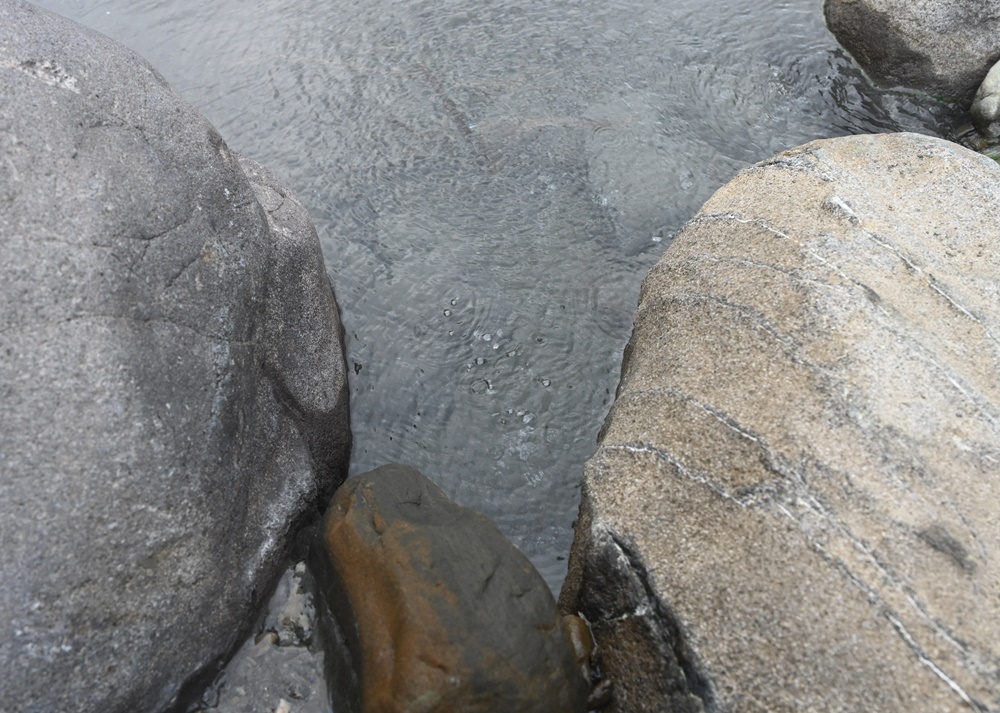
491	181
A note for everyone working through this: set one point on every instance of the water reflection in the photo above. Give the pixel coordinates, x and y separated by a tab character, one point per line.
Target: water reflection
491	181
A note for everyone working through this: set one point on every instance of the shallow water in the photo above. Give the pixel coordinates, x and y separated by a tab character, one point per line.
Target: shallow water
491	181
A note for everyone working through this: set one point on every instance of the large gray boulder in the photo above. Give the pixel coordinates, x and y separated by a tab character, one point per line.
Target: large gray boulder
944	47
794	502
171	377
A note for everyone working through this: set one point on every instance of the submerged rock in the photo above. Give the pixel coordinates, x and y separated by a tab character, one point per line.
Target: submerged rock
793	502
439	611
944	47
171	376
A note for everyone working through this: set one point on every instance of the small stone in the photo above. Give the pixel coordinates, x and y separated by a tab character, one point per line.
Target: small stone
986	105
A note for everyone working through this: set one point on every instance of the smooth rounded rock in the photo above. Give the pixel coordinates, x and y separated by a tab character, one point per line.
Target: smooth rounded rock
793	505
172	388
944	47
986	104
439	611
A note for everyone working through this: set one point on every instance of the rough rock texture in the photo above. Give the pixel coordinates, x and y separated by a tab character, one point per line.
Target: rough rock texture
279	662
171	377
439	611
793	506
944	47
986	104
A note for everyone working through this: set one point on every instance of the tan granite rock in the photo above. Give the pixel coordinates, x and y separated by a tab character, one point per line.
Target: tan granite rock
794	503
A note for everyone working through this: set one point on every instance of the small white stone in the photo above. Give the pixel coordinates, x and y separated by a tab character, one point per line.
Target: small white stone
986	105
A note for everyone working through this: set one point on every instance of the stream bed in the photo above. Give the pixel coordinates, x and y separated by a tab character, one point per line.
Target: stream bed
490	182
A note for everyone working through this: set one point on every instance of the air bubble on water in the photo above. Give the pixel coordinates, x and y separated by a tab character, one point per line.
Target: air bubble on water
447	313
454	301
545	383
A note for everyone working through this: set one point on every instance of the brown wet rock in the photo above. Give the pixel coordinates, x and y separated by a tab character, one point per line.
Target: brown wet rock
439	611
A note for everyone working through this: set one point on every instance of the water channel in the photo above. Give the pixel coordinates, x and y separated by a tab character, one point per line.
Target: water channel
490	181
